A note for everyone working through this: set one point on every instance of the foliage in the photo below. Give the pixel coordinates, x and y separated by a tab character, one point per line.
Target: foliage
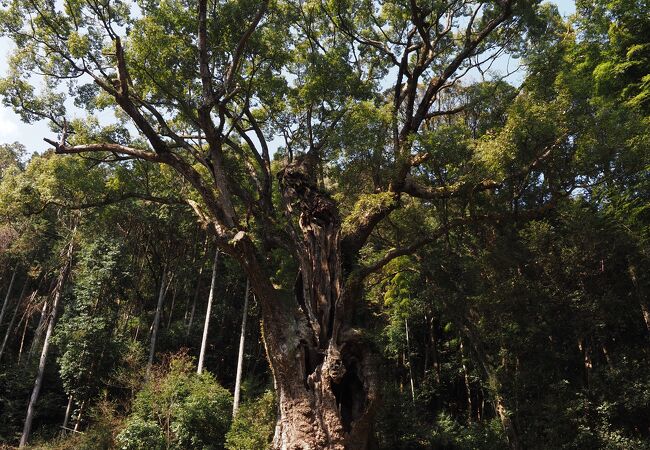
254	424
178	409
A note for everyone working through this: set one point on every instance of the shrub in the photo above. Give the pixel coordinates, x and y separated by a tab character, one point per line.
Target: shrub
178	409
254	425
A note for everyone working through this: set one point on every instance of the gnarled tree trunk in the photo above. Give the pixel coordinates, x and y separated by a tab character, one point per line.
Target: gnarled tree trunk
324	374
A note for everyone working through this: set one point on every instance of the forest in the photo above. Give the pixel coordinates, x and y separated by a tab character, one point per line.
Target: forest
325	225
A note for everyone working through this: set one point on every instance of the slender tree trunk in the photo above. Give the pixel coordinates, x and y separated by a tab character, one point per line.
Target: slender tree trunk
408	359
584	345
434	350
68	410
22	339
13	318
240	355
468	389
196	293
645	310
51	321
171	308
193	309
8	296
41	321
27	316
427	348
208	313
40	327
608	358
81	411
643	300
156	320
504	416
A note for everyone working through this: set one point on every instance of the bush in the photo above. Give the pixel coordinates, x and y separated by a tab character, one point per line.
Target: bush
254	425
178	409
449	434
141	434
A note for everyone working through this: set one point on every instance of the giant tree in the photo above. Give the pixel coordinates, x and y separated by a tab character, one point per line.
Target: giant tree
356	91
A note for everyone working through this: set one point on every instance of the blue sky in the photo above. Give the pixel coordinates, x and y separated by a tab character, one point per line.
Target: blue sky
31	135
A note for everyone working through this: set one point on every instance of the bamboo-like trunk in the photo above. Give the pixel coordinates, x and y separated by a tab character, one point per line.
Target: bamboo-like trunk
51	321
8	296
434	351
240	355
468	389
193	308
22	339
196	295
208	312
408	359
156	320
171	308
13	318
39	328
68	410
81	411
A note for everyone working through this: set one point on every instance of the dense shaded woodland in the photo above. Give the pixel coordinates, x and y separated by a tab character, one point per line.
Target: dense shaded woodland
326	224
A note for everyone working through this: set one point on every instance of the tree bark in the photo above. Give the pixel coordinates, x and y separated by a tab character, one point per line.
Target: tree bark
240	355
324	372
51	321
156	320
208	313
434	349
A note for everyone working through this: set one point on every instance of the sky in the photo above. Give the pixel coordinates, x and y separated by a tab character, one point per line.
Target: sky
31	135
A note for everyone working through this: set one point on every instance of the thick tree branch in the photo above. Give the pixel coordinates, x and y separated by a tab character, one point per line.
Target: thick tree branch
61	148
123	197
415	189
